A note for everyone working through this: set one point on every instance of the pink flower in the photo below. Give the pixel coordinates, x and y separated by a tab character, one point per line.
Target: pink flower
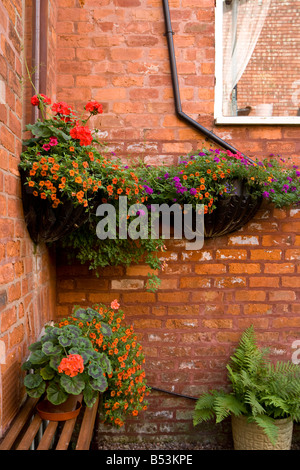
53	141
115	305
46	147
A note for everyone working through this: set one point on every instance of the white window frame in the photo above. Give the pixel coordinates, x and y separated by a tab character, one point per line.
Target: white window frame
218	112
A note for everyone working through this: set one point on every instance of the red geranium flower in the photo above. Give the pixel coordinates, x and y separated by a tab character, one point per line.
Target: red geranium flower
35	100
71	365
83	134
61	108
94	107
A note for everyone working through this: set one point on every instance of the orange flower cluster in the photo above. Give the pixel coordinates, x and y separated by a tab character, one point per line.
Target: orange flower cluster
71	365
126	384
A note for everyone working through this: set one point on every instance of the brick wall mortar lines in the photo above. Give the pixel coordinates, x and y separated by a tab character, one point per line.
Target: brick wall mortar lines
26	275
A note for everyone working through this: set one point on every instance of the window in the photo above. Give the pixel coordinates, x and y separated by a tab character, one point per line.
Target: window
257	62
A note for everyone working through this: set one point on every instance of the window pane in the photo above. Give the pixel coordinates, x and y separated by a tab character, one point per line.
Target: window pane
261	61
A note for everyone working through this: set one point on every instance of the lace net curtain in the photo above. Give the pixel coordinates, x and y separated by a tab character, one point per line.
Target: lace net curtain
242	24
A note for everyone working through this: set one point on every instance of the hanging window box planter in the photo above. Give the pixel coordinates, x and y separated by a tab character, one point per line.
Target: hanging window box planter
46	223
232	212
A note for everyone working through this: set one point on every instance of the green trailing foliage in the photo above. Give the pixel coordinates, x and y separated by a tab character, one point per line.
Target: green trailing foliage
261	390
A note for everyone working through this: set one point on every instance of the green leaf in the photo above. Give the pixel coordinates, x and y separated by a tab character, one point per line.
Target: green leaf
73	385
95	371
38	391
27	365
268	425
35	346
38	357
106	329
105	363
64	341
89	395
51	349
82	343
40	129
32	380
47	372
100	384
55	361
55	393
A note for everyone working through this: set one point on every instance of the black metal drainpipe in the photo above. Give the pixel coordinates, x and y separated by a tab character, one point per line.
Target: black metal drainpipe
169	34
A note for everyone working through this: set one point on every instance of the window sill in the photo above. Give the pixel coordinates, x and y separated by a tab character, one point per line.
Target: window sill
257	120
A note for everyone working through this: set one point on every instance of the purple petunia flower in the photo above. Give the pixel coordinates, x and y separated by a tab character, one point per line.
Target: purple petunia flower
148	189
193	191
266	194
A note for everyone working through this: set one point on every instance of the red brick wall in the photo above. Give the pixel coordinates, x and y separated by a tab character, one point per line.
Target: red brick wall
124	64
189	327
115	51
27	277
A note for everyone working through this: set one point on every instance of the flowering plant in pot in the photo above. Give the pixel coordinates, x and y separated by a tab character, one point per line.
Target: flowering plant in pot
64	362
210	175
60	159
263	399
126	392
89	352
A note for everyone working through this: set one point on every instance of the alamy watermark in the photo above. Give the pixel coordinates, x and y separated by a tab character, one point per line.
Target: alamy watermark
152	221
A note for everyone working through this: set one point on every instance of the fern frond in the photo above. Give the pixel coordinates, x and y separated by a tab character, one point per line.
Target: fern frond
202	415
252	400
205	401
226	405
269	427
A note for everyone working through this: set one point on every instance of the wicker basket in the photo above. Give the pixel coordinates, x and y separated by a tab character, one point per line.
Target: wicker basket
249	436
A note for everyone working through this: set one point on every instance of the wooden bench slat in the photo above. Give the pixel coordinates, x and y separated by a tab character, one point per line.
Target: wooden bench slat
30	433
22	432
48	436
66	434
87	427
17	425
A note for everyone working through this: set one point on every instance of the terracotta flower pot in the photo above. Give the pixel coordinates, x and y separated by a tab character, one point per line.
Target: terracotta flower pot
67	410
250	436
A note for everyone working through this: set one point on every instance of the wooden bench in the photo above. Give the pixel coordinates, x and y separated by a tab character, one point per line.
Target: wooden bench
29	432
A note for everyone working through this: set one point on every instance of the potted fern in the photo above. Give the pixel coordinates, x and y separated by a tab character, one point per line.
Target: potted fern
263	401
